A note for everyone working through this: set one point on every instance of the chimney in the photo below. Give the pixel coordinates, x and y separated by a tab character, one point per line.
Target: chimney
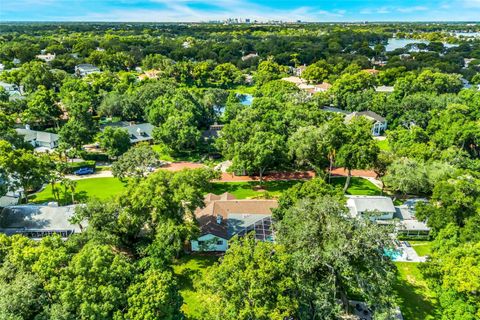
219	219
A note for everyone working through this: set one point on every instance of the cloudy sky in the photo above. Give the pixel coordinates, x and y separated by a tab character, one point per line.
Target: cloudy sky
204	10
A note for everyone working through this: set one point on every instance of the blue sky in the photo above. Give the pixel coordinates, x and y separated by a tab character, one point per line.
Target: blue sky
204	10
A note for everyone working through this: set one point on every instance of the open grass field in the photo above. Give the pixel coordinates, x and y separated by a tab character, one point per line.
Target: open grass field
187	269
416	300
423	248
106	187
246	190
358	186
101	188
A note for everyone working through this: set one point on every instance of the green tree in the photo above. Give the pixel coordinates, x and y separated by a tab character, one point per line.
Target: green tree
407	176
262	151
75	134
178	132
154	295
252	281
25	169
335	257
116	141
315	73
135	162
359	151
93	284
454	200
42	107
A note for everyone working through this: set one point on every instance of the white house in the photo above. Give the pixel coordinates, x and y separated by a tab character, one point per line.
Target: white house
46	57
138	132
12	89
85	69
384	89
39	138
379	123
375	207
224	217
38	221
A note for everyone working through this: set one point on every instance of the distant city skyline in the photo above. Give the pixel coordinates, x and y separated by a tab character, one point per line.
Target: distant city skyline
219	10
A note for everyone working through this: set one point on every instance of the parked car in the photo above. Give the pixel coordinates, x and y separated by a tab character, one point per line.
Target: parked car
83	171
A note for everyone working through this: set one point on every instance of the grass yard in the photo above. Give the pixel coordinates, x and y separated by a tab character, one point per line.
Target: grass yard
244	89
358	186
384	145
246	190
416	300
187	269
423	248
102	188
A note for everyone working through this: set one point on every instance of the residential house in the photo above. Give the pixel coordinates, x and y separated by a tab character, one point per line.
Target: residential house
138	132
295	80
467	61
299	70
213	131
224	217
373	72
379	122
382	210
303	84
85	69
384	89
46	57
249	56
373	207
322	87
40	139
13	90
38	221
149	74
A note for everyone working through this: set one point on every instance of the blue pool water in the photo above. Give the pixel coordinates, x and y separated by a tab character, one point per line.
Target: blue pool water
392	254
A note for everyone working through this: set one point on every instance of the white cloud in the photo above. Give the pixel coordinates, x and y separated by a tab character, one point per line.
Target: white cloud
412	9
471	4
182	11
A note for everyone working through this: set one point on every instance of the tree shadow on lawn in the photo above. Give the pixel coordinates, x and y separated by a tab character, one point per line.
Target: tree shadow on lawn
413	304
358	186
251	188
188	272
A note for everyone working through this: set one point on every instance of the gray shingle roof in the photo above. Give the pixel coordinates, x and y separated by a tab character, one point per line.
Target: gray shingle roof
39	136
43	218
373	203
137	132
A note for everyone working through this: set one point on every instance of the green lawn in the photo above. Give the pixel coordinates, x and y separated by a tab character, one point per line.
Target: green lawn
423	248
416	300
384	145
358	186
244	89
102	188
164	154
245	190
187	269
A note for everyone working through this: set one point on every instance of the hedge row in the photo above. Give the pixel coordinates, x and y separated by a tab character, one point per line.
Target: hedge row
74	166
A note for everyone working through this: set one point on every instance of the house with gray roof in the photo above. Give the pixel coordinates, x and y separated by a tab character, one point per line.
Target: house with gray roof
374	207
85	69
39	138
379	123
138	132
38	221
